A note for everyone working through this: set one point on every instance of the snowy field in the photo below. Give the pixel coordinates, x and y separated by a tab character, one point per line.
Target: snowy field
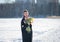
44	30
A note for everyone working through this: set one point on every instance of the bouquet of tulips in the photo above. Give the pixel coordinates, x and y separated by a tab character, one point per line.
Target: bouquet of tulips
28	21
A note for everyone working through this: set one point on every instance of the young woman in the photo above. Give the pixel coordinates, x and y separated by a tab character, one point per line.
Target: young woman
26	35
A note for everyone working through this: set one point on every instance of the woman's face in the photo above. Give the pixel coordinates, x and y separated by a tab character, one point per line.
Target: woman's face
26	14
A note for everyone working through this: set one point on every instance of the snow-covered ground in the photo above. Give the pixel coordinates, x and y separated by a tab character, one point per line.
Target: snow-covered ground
44	30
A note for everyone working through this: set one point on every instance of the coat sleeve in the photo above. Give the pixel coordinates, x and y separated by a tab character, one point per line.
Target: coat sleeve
22	24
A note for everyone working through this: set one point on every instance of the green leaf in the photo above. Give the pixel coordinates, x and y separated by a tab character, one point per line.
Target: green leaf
28	29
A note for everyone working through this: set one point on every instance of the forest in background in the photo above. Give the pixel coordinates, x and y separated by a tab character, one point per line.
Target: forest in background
41	9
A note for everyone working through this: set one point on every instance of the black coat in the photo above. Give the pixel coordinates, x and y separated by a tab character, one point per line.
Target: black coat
26	37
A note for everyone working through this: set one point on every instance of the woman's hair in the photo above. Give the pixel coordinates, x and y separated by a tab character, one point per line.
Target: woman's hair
25	10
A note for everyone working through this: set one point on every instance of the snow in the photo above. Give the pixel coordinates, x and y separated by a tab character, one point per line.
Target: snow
44	30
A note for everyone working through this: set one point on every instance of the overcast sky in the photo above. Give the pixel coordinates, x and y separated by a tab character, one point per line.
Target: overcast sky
10	1
4	1
59	1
